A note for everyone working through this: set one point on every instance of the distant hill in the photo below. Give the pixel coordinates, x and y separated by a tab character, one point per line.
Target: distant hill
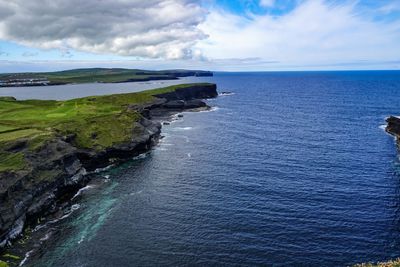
90	75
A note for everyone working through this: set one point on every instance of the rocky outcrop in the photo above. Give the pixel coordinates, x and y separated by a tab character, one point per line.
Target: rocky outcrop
181	99
58	168
145	135
190	93
393	127
181	104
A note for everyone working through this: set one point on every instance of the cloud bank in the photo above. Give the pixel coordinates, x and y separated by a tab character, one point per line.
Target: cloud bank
150	29
260	35
315	33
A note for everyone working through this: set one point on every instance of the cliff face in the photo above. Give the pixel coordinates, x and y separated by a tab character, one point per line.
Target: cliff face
393	127
58	167
190	93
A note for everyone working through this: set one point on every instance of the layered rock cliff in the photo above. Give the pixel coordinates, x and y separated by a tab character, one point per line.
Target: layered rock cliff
393	127
58	167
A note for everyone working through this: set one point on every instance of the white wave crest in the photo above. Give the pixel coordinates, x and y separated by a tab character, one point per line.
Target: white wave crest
27	255
136	193
141	156
82	190
183	128
46	237
226	94
166	144
71	210
212	109
103	169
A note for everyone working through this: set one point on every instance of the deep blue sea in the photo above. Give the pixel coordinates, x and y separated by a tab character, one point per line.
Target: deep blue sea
292	169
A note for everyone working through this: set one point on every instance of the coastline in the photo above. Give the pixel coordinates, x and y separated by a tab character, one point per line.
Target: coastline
69	165
393	127
71	83
94	75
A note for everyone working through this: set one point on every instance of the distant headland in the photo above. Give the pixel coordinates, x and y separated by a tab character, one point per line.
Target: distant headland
94	75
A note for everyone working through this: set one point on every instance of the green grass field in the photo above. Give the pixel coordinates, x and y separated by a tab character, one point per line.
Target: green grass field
98	122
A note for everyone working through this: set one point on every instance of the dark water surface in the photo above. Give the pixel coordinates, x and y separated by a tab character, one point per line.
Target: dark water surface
291	170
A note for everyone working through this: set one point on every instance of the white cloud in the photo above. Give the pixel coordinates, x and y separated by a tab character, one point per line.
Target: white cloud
267	3
151	28
316	32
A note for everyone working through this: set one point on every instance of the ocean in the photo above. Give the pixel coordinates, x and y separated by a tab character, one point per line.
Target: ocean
290	169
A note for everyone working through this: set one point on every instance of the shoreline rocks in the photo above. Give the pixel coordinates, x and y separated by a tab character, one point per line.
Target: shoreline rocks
393	127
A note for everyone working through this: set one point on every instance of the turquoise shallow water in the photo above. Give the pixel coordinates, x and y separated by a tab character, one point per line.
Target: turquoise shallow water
293	169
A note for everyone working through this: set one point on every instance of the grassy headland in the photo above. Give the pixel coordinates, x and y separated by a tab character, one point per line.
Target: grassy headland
96	122
90	75
47	147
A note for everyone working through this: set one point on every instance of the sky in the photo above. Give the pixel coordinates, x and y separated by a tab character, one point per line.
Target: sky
218	35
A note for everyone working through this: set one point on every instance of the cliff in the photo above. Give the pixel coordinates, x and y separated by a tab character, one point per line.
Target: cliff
48	147
393	127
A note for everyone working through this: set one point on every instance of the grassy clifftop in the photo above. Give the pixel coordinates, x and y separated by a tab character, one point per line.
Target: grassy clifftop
96	122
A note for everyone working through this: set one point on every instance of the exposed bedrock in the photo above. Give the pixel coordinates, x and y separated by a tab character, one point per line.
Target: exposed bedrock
393	126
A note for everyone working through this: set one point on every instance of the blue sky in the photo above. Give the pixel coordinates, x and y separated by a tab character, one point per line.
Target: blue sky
231	35
253	6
